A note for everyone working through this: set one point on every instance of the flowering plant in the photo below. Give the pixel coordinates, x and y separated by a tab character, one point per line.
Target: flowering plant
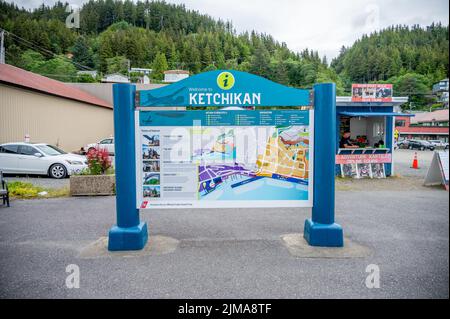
98	161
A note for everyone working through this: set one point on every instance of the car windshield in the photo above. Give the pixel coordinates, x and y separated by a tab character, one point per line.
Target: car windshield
50	150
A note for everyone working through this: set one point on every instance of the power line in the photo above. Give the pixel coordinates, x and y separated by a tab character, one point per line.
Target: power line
44	51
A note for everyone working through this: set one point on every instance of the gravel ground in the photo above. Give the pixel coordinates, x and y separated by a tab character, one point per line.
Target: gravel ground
229	253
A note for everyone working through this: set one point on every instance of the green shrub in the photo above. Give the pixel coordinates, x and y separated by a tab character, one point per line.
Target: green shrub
28	190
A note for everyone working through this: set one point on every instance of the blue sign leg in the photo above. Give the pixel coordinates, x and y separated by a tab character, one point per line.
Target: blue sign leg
129	233
321	230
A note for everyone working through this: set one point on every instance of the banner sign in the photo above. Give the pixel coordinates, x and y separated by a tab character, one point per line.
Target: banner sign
363	158
372	92
223	88
206	159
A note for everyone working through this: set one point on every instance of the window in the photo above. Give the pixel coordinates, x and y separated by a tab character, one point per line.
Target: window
27	150
107	141
9	149
400	123
50	150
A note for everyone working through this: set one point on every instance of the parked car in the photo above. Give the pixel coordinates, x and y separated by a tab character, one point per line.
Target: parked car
40	159
402	144
420	145
107	143
439	144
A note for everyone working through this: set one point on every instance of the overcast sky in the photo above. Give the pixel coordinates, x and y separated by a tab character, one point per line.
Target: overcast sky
323	25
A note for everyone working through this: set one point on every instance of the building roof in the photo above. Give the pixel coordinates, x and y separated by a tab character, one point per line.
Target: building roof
18	77
176	72
436	116
115	78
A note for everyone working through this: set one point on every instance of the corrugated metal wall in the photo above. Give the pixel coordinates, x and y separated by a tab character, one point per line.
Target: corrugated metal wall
104	91
50	119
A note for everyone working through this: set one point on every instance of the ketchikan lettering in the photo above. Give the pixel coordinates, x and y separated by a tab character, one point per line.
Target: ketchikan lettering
224	99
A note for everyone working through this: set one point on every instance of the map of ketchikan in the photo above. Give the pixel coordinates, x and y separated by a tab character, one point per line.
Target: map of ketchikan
280	170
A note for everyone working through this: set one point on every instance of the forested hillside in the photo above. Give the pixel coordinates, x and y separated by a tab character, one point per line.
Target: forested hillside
149	34
412	58
157	35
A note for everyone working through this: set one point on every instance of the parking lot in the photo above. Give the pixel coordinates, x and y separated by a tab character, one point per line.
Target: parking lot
403	160
233	253
225	253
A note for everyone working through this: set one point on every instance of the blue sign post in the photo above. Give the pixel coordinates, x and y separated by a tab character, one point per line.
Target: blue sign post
224	88
321	230
129	233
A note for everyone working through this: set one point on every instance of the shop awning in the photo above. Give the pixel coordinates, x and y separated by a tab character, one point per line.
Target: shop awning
367	114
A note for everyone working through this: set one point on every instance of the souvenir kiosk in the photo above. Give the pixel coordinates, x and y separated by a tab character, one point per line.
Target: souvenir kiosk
370	120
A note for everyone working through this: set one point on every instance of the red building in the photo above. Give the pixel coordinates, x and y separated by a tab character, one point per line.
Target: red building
424	126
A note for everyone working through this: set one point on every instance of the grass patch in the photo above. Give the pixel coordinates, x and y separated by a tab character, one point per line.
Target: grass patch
24	190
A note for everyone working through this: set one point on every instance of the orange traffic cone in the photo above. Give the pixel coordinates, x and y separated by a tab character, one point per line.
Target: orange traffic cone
415	163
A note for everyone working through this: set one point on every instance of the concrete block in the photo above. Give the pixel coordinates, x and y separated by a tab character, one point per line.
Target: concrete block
92	185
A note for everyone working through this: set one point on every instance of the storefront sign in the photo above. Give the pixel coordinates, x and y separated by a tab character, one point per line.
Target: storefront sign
371	92
206	159
363	158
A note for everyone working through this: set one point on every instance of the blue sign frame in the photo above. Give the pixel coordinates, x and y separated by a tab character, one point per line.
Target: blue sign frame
224	88
242	89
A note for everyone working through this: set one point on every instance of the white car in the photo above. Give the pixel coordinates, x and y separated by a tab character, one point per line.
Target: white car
107	143
439	144
40	159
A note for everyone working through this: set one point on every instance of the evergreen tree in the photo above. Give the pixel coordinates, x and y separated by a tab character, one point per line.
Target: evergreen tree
82	53
117	64
159	65
261	61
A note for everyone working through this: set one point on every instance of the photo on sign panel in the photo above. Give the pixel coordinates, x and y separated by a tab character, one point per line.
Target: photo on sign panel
349	170
150	152
151	179
364	170
378	170
151	192
151	166
151	139
357	92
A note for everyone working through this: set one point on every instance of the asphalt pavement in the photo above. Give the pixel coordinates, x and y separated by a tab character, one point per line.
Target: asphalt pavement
403	160
229	253
234	253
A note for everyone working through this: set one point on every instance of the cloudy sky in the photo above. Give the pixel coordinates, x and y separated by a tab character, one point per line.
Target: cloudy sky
323	25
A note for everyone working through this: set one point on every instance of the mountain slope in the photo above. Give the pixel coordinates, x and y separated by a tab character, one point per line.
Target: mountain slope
151	34
396	51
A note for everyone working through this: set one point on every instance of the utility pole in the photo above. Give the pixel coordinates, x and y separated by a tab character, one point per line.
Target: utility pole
147	18
2	47
128	68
